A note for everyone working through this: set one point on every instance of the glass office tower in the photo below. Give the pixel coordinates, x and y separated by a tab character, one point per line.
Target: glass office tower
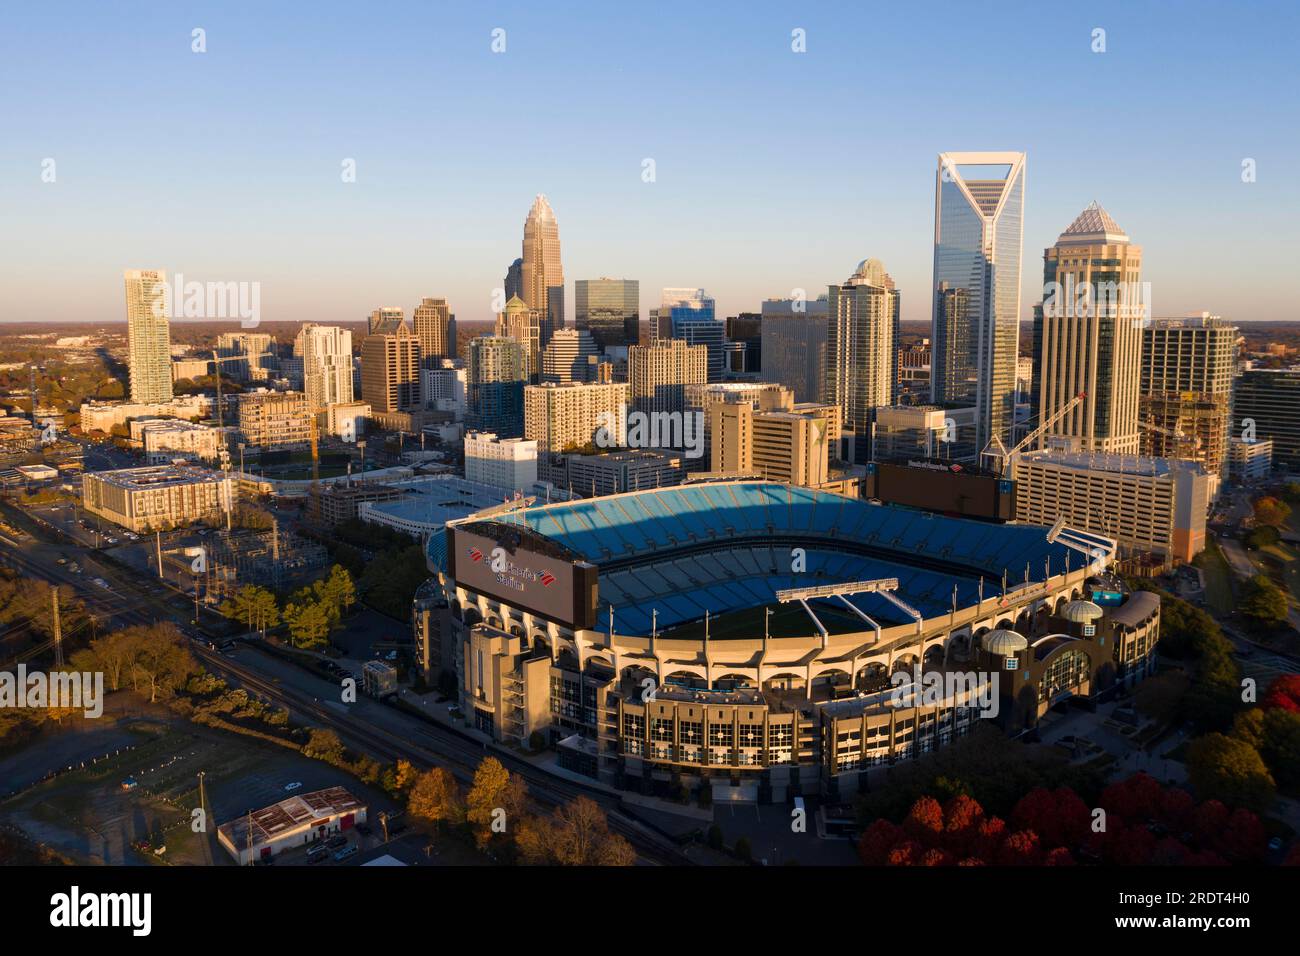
610	309
978	228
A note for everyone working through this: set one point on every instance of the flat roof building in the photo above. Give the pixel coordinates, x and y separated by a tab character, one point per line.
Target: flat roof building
274	419
165	440
297	821
507	463
1250	460
1149	505
157	497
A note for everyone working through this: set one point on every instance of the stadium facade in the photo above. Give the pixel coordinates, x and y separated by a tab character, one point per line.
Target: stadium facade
764	638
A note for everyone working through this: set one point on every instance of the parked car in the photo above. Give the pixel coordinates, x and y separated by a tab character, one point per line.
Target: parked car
343	854
337	840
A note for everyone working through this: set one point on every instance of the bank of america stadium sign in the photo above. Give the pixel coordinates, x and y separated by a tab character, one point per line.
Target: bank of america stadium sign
508	573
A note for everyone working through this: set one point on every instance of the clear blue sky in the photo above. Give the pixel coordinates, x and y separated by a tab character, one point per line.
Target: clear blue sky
775	170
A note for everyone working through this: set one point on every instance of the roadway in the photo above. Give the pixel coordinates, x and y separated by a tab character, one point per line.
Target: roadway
379	730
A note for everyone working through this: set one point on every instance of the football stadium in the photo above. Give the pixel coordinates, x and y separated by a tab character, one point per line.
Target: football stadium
765	639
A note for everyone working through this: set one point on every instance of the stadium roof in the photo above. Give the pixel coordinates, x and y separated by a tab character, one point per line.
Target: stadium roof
726	547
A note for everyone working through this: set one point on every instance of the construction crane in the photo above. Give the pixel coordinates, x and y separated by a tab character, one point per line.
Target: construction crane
1000	459
1184	444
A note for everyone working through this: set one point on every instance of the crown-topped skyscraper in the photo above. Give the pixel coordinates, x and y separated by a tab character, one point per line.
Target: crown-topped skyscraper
543	276
1088	335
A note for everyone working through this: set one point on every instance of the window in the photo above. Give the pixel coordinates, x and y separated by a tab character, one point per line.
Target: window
661	729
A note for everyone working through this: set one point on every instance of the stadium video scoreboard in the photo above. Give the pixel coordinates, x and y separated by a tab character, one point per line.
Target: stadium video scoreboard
504	568
944	487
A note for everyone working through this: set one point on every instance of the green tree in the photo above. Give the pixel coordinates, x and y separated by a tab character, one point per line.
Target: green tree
1263	602
337	589
309	624
324	744
1230	770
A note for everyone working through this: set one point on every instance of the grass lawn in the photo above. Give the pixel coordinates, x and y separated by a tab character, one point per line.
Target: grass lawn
1218	579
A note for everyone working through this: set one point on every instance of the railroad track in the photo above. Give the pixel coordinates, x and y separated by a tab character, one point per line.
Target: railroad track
438	746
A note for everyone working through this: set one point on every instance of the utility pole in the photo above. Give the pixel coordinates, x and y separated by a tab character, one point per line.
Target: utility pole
58	631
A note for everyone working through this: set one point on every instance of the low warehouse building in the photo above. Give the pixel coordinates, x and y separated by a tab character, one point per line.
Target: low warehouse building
296	821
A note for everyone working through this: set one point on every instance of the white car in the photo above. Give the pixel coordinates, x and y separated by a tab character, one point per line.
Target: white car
296	785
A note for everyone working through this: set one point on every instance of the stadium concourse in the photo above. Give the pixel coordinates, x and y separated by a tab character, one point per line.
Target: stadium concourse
746	634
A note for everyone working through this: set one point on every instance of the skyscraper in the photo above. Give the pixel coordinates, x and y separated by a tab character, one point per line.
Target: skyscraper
247	356
523	324
494	386
1186	387
794	345
571	356
610	309
542	274
659	374
515	280
975	326
390	370
690	315
861	357
326	353
148	335
385	320
1088	335
435	327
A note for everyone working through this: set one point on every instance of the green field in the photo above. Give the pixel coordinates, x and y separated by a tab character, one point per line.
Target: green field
1218	579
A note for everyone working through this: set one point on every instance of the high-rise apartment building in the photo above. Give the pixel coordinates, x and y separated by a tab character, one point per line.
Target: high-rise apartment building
1088	336
610	309
1186	389
569	417
326	354
246	356
659	373
571	356
496	373
975	326
794	335
542	274
435	327
390	370
861	353
148	336
523	324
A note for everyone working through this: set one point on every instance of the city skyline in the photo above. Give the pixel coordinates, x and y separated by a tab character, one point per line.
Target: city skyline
276	211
